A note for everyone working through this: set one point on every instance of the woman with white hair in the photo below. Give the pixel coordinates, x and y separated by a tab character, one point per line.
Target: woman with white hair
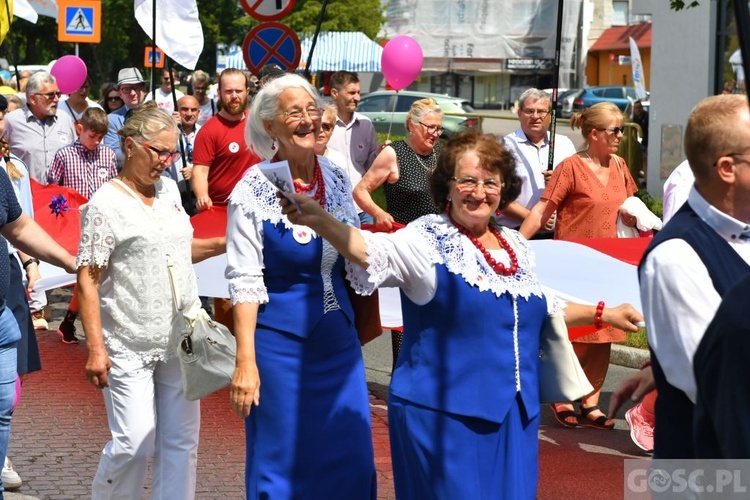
300	380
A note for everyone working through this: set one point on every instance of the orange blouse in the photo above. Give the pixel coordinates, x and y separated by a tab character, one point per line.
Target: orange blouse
585	207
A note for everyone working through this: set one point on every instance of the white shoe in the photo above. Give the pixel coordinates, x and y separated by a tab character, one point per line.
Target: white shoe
38	320
11	479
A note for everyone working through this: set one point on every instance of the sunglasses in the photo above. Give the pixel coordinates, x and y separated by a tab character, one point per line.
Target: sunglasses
614	130
327	127
114	98
51	95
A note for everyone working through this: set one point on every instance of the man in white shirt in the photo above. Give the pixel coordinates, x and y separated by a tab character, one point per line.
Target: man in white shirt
694	260
163	95
354	134
530	145
189	110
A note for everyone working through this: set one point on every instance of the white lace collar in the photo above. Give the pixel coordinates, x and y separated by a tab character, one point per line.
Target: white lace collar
445	245
256	195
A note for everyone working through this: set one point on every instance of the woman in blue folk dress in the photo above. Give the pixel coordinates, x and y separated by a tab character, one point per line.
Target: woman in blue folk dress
300	379
463	409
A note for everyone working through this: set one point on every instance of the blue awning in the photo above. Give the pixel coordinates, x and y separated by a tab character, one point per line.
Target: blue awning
342	51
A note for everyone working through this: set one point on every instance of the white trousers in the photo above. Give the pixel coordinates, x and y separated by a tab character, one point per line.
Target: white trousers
149	417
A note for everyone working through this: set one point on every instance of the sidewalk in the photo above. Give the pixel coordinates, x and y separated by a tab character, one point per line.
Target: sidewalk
60	427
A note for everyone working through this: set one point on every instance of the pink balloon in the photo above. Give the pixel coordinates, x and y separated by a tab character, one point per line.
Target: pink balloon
401	62
70	73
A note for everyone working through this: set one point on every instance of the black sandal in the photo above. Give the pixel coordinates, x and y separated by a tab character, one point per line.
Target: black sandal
560	416
602	422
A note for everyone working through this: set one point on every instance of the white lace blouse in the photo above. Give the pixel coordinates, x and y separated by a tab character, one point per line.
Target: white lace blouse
253	201
408	259
130	241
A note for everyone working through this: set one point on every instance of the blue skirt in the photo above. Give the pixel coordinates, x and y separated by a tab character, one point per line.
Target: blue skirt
311	435
440	455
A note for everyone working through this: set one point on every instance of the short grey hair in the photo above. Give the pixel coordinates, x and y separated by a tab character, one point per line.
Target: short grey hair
36	81
536	95
422	107
266	106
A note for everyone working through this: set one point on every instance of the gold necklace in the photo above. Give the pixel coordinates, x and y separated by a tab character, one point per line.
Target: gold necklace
429	157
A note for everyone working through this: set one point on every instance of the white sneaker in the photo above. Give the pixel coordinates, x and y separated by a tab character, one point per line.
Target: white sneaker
11	479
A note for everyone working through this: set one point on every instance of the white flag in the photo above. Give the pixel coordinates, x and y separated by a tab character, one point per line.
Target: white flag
178	30
44	7
639	79
22	9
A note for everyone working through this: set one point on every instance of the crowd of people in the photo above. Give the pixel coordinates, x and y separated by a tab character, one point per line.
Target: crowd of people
463	406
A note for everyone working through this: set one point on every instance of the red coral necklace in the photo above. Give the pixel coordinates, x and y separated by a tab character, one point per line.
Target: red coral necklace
317	182
496	266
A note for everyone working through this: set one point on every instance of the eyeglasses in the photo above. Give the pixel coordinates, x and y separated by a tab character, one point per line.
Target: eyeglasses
295	115
541	113
114	98
614	130
327	127
51	95
469	184
130	89
164	156
432	129
732	155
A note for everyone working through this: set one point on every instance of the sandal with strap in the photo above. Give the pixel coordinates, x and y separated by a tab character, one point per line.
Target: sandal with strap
560	416
601	422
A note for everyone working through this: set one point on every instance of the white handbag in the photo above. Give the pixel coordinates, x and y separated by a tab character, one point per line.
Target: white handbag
207	350
561	377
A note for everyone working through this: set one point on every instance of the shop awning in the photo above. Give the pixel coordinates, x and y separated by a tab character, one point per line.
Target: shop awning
338	50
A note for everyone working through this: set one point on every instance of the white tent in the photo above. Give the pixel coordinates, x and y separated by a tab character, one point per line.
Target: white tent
337	51
334	51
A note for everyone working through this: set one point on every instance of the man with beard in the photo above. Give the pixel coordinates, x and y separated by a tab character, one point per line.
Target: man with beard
132	88
220	156
36	133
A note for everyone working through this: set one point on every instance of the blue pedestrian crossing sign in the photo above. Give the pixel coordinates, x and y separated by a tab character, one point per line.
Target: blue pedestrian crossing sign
79	21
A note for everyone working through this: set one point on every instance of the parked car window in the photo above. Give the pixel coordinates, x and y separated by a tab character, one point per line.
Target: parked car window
375	104
615	92
630	92
598	92
403	105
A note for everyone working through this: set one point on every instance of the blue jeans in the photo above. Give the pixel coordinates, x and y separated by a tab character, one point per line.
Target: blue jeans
9	336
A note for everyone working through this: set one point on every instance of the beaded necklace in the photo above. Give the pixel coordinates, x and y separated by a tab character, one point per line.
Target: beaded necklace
496	266
317	181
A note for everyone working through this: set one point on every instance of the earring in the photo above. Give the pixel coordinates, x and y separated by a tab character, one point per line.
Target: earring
448	206
273	144
497	212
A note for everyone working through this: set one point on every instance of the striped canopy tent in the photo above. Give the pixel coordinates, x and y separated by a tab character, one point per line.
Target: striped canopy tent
342	51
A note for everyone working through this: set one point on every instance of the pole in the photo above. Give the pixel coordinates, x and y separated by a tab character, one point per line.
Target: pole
315	39
12	45
742	19
555	83
153	48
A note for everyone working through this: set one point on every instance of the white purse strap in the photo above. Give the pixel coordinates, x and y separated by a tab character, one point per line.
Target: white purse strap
173	286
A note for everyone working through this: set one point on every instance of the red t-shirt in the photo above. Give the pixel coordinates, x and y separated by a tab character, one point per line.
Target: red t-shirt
220	144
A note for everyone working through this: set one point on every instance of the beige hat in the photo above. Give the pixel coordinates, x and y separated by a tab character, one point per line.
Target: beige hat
129	76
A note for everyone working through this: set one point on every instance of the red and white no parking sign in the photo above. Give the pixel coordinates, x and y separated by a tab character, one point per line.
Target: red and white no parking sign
267	10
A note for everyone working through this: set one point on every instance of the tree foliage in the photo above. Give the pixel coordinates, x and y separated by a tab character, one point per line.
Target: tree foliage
680	4
223	22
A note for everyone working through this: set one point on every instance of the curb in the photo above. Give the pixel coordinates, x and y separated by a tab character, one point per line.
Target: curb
629	357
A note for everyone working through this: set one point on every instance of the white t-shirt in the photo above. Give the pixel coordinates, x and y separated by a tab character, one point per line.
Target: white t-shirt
68	109
164	99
